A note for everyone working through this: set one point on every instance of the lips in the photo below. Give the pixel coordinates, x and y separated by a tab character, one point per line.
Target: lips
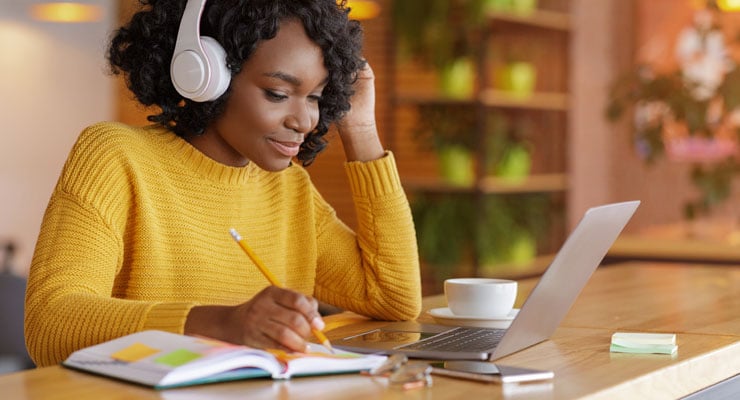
288	149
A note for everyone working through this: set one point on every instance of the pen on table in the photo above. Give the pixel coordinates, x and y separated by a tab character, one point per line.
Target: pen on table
273	280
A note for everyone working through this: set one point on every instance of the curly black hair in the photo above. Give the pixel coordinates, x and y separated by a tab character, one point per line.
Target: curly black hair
142	51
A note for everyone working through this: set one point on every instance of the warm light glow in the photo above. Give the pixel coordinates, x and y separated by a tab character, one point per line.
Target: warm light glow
66	12
363	9
729	5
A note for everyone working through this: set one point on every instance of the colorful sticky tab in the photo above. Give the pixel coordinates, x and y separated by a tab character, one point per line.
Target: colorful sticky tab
134	353
287	357
177	358
216	343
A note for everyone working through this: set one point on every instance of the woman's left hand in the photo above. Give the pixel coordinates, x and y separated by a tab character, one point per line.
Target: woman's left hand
358	129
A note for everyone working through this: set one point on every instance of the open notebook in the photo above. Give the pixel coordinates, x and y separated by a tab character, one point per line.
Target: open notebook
163	360
538	318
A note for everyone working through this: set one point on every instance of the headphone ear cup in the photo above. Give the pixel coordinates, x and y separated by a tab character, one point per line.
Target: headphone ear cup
220	74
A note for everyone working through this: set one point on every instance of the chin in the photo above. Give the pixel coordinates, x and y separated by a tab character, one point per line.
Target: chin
275	166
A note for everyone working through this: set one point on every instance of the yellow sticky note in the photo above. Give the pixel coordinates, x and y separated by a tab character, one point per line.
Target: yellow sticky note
133	353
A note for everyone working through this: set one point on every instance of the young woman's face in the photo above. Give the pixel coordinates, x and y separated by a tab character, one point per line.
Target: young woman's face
273	105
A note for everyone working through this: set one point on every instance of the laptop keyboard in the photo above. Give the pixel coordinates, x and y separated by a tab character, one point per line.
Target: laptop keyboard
460	339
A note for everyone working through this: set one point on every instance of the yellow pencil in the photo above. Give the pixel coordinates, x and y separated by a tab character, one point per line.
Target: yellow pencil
273	280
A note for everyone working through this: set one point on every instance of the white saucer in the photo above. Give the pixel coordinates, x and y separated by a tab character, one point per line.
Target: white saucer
445	317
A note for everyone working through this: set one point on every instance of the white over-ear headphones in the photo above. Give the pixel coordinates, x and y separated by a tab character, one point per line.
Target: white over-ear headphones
198	67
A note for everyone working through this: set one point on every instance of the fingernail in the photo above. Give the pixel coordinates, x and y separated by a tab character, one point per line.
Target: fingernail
318	323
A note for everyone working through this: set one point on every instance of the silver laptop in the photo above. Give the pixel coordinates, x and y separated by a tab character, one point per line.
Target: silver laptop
538	318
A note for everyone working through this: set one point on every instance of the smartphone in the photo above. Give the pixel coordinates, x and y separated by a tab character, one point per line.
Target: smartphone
489	372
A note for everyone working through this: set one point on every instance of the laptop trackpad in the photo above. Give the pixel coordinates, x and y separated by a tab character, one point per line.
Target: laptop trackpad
393	335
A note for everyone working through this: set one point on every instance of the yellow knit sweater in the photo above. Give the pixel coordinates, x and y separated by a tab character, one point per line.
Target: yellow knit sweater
137	233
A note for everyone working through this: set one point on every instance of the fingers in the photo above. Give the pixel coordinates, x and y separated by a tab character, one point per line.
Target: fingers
307	306
279	318
275	334
366	72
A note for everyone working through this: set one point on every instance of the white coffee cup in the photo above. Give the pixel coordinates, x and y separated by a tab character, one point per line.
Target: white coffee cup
480	297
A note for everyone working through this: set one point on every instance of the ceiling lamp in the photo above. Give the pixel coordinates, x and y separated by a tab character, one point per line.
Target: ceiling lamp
68	12
363	9
729	5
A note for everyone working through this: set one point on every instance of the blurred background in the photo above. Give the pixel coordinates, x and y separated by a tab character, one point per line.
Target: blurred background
508	119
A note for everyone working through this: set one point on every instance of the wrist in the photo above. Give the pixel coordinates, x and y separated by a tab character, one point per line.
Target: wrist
208	321
361	142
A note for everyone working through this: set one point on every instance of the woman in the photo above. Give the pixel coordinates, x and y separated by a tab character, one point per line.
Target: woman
136	234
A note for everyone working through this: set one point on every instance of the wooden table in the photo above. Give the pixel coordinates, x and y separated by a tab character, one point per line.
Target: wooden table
699	303
701	241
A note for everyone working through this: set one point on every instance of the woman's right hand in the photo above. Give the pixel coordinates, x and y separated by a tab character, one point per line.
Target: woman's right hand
274	318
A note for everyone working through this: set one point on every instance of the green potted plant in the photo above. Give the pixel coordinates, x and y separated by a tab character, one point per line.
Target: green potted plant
452	228
514	69
443	34
449	130
508	150
445	231
510	230
517	78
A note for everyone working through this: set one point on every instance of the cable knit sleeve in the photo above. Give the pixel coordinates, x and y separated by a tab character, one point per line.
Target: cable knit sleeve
69	302
374	272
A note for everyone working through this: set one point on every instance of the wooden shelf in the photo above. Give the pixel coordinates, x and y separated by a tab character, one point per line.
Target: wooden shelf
431	98
434	185
545	101
540	118
516	271
538	19
536	101
532	184
542	183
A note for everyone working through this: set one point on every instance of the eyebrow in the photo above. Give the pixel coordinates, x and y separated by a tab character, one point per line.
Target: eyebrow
293	80
284	77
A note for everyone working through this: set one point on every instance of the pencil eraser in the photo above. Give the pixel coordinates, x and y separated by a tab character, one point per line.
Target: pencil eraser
644	343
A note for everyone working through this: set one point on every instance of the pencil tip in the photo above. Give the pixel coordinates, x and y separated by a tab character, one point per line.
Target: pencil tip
328	345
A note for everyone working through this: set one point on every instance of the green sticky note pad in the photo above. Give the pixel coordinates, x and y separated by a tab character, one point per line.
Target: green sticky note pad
177	358
655	349
644	343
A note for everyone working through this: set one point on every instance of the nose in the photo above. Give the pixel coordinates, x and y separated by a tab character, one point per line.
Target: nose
302	118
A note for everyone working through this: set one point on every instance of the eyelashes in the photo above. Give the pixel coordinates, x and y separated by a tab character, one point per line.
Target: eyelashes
276	97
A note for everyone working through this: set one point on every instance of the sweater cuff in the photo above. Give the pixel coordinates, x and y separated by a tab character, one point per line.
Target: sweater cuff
168	317
374	178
